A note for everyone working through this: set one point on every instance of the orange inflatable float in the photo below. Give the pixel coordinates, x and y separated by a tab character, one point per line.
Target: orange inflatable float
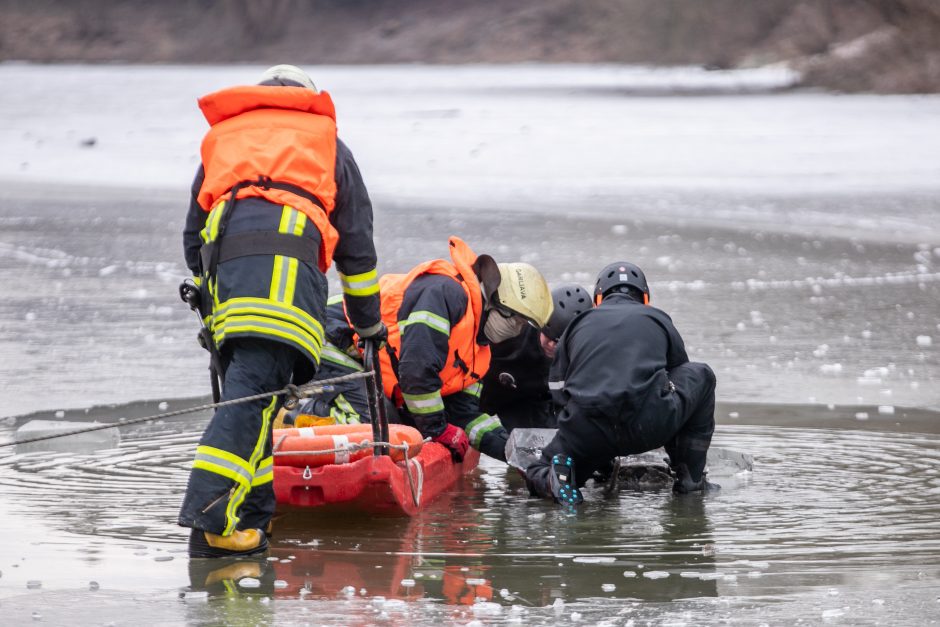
339	444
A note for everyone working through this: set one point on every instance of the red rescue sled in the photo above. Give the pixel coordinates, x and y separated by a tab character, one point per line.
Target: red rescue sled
386	481
375	484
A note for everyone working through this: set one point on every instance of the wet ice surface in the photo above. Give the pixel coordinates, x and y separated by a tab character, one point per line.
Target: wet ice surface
793	238
832	524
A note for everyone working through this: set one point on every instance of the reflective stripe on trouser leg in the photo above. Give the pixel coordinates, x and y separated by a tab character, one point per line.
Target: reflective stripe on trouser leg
242	490
233	455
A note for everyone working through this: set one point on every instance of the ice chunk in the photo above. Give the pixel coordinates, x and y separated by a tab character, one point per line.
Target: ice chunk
408	583
886	409
249	582
595	559
85	442
608	587
195	595
629	574
656	574
723	461
525	446
924	341
487	608
862	415
280	584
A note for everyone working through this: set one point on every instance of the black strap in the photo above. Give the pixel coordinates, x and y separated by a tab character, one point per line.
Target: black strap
211	258
261	243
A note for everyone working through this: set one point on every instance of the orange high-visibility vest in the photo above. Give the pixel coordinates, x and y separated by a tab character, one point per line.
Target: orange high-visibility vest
285	134
467	361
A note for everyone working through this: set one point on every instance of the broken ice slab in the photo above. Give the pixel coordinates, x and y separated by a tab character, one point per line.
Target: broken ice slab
725	462
84	442
525	446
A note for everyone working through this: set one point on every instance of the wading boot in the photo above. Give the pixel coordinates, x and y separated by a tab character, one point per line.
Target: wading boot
685	485
240	543
564	488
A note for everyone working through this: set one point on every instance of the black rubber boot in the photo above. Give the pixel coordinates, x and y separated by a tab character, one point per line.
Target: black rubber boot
685	485
240	544
564	487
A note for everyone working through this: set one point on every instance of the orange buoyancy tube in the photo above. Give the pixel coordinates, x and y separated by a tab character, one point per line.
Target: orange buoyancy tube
285	134
474	359
338	444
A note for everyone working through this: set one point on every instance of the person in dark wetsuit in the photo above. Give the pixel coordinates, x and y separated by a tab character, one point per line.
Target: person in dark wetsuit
515	388
625	385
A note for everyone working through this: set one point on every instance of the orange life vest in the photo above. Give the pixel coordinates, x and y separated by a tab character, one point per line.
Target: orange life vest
286	134
467	361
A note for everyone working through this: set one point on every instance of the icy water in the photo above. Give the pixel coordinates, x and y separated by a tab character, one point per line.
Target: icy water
835	525
793	237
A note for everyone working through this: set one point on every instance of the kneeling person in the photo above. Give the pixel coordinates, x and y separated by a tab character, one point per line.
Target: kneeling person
625	386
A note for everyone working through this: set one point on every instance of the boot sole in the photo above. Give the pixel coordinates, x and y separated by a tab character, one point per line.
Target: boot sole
568	493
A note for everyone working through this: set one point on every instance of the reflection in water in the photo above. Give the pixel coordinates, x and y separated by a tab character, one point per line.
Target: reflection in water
829	520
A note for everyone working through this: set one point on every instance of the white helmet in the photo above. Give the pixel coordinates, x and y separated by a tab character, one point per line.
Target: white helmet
523	290
288	73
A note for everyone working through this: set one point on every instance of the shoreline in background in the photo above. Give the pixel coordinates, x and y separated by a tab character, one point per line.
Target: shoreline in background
843	45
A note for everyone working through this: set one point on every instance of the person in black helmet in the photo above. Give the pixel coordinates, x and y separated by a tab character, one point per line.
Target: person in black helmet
625	385
515	388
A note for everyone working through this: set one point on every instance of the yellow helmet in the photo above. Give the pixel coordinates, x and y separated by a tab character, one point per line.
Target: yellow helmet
523	289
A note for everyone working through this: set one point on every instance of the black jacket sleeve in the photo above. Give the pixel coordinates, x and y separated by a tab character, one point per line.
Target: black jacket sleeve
431	305
355	252
195	222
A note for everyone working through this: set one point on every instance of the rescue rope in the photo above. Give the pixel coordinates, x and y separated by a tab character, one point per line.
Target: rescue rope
353	447
294	392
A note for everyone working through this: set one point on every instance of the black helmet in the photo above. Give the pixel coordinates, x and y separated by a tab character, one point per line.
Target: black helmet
568	301
621	273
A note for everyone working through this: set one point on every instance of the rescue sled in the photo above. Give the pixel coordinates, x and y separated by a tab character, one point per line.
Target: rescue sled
376	469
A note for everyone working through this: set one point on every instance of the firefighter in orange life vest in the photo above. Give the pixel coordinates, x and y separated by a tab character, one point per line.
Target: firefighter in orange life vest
441	318
278	197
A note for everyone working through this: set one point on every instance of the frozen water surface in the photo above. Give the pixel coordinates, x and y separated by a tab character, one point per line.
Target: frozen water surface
793	237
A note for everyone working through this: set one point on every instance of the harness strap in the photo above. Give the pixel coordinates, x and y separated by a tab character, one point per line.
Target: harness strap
260	243
211	258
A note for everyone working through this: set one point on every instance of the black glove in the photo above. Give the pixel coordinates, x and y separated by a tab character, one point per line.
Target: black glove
189	293
379	335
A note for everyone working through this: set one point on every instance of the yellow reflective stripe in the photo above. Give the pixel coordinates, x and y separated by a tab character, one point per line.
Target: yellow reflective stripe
223	463
363	284
335	355
255	461
265	472
257	325
332	300
246	306
474	389
424	403
285	268
211	230
480	426
432	320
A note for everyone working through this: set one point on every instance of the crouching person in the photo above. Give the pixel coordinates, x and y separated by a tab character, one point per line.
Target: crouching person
625	386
